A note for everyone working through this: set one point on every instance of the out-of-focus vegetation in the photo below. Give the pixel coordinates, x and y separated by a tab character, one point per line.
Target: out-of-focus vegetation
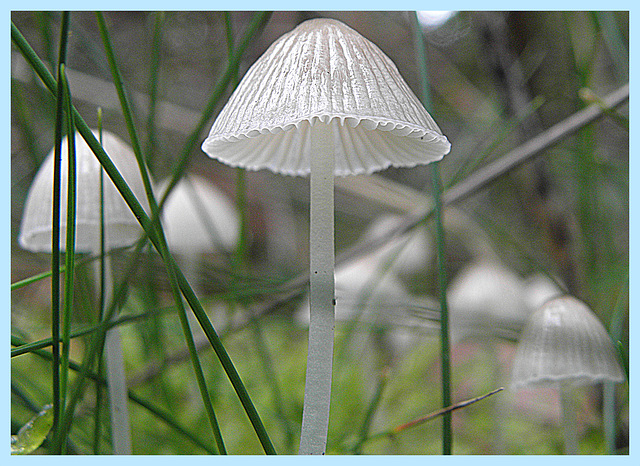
497	80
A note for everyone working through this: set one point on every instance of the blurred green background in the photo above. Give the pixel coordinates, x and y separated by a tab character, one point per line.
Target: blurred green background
496	80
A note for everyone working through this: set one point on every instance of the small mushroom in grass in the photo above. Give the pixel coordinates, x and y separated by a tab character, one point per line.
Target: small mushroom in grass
325	101
564	345
120	229
120	225
198	219
486	297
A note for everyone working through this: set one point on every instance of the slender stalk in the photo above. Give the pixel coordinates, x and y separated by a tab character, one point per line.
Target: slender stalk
436	190
153	86
609	390
569	420
371	410
421	420
241	188
116	377
55	273
101	303
444	314
317	392
70	237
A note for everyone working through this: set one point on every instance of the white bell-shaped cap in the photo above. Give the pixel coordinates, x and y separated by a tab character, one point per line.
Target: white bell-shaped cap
483	297
565	342
324	71
198	217
121	226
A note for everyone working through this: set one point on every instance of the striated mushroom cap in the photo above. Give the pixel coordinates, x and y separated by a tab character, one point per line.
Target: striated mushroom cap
564	341
121	226
324	71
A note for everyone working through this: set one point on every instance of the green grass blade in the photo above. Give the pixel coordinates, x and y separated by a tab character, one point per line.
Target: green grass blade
70	235
58	383
156	47
441	255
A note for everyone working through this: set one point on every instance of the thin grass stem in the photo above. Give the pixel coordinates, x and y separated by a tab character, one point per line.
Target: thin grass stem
436	191
429	417
57	388
569	420
156	48
70	235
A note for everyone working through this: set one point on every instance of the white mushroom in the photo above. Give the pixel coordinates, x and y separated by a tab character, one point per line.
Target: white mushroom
120	229
197	219
485	297
564	344
325	101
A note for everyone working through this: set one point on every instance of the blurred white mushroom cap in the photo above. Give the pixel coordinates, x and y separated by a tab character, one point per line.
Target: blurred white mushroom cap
485	296
198	217
410	252
565	342
121	226
538	289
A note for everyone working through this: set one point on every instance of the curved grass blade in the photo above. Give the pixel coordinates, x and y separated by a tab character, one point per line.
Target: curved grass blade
421	420
71	234
58	383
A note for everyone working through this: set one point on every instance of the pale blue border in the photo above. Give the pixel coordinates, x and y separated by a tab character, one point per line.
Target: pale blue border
5	184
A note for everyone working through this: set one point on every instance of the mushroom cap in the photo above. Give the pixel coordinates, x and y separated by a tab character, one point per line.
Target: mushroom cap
121	226
197	217
564	341
483	297
324	71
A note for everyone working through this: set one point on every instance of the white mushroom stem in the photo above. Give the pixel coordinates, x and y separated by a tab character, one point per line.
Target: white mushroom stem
317	393
569	419
116	377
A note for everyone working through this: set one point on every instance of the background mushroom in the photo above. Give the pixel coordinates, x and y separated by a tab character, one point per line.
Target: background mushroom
565	345
323	100
120	229
198	219
486	297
